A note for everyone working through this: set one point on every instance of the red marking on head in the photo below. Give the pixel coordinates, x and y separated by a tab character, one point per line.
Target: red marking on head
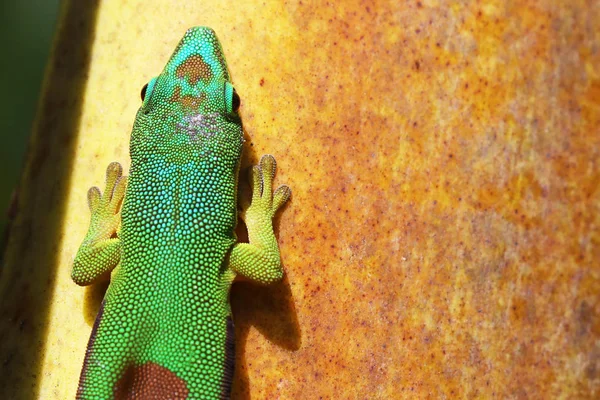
195	68
189	102
150	381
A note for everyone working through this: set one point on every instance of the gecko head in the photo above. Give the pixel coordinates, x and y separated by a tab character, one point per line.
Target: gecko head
192	105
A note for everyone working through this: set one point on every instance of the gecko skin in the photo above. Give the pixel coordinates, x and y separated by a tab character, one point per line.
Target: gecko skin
166	234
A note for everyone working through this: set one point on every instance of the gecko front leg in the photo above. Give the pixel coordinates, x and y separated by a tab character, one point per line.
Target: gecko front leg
100	251
259	260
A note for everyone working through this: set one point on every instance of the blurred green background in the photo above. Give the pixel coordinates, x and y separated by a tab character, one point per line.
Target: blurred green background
28	29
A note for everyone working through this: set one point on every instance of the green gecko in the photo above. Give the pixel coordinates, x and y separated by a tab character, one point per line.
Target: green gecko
166	235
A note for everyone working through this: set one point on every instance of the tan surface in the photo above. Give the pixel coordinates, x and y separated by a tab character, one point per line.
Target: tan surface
443	239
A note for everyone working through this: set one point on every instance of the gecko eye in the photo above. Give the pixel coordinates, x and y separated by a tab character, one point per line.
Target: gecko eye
143	94
146	95
232	99
235	101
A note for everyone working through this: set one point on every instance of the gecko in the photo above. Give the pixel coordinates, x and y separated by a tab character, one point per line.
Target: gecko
166	235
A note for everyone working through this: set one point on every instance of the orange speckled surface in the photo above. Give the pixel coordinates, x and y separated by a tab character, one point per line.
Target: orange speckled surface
443	238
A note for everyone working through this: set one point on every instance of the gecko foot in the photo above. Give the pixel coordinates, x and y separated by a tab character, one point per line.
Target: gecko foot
265	202
105	207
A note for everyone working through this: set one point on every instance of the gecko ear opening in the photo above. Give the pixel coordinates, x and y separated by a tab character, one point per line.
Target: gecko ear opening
232	99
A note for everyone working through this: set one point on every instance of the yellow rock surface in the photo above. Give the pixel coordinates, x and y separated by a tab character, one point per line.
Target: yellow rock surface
443	238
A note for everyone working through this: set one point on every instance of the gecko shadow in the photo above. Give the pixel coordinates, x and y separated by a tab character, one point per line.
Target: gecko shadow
270	309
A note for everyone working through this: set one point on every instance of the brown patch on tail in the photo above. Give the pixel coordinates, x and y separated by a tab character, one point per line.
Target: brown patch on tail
150	381
227	379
